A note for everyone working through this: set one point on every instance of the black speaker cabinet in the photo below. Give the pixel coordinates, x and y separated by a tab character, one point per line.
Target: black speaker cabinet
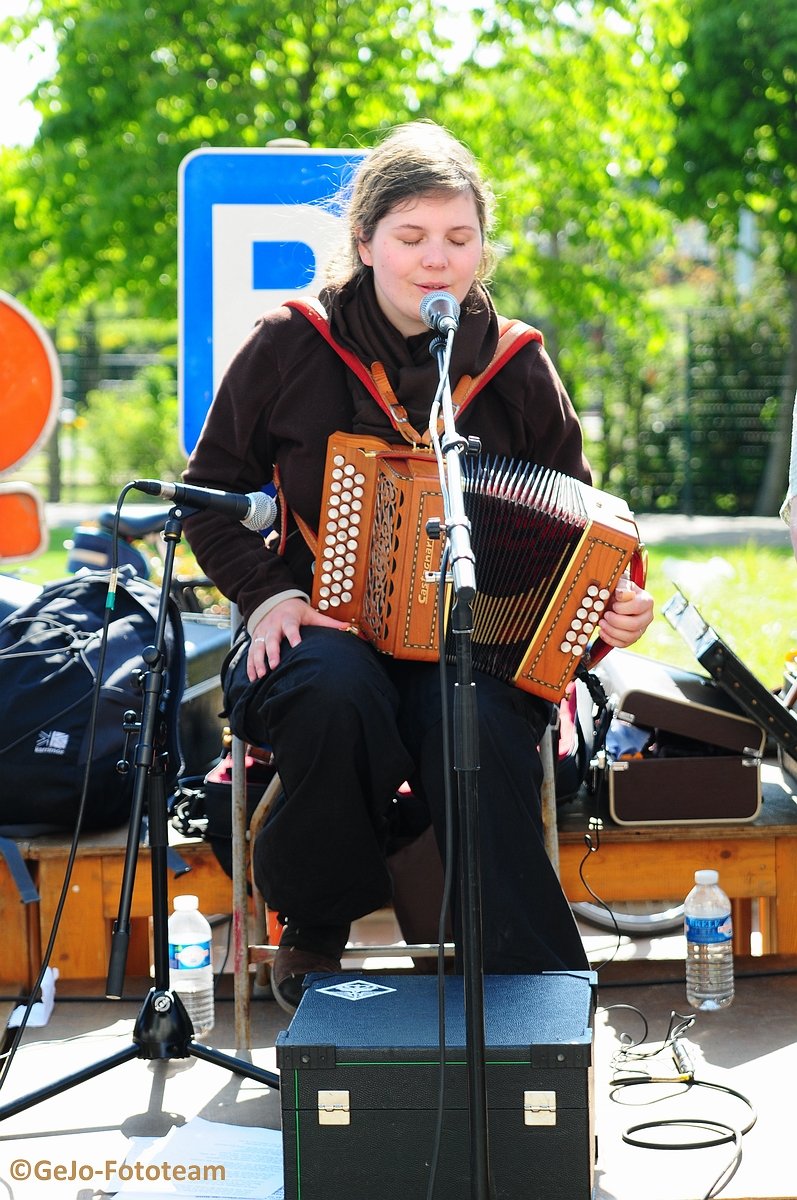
360	1083
360	1080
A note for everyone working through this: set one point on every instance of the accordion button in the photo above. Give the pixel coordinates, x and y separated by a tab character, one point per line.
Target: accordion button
578	651
565	647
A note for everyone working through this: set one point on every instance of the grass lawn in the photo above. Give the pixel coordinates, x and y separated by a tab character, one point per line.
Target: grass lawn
747	593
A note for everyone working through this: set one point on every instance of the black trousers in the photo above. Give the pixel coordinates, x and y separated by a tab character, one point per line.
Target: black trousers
347	727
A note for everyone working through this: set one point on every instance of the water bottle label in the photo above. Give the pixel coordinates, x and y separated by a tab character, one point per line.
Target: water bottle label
189	956
708	931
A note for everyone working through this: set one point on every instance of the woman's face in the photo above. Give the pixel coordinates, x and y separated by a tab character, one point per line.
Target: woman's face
426	245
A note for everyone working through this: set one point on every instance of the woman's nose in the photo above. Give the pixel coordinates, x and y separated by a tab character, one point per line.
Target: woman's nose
435	254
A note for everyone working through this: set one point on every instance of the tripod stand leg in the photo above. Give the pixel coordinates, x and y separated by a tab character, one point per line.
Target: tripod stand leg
163	1029
69	1081
236	1065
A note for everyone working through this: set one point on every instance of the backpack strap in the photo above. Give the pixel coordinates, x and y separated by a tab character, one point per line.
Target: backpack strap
17	866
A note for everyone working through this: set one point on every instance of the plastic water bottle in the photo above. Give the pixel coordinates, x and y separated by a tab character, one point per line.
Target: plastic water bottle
709	946
190	962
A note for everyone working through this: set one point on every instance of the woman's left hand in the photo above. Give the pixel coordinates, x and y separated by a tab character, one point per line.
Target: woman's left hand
628	617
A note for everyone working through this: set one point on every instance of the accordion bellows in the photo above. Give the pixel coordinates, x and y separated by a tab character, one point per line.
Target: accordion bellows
548	553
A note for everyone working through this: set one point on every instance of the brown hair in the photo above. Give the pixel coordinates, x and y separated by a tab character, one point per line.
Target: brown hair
416	159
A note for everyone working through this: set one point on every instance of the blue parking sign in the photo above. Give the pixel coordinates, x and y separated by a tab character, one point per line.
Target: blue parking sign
256	227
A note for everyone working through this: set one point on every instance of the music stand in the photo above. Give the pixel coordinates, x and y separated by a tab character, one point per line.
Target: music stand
163	1029
774	716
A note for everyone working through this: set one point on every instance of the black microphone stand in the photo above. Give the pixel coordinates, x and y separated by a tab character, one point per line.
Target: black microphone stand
466	765
163	1029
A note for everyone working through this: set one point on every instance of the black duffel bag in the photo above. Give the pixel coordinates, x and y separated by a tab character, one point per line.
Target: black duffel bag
49	656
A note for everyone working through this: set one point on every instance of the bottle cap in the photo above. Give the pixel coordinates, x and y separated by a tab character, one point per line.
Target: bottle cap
185	903
707	877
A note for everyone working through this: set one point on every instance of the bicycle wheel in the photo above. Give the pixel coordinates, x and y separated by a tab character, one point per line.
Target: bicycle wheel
636	918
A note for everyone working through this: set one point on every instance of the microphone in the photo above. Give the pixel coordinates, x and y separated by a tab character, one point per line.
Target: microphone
255	510
440	311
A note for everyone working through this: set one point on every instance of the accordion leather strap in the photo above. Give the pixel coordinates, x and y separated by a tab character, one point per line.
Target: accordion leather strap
307	533
513	335
304	529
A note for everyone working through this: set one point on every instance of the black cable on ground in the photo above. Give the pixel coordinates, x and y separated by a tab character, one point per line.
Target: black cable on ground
721	1133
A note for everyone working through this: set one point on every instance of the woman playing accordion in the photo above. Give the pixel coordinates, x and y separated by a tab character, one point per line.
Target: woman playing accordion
348	723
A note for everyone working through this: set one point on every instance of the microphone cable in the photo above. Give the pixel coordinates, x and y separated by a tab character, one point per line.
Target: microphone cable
10	1053
719	1132
448	878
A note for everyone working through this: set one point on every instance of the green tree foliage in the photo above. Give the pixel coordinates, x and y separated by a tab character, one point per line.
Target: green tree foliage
93	208
566	105
569	113
733	86
131	430
562	103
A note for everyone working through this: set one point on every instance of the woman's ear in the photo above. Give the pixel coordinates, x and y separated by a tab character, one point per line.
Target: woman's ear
364	251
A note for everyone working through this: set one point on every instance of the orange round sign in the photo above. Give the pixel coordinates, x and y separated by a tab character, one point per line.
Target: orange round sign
23	526
30	383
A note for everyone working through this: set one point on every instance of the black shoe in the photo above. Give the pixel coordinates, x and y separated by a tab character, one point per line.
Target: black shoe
304	950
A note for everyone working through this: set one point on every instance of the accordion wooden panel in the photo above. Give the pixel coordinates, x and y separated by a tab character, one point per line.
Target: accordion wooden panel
548	549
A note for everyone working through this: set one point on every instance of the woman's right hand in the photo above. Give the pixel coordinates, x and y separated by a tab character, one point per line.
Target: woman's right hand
284	620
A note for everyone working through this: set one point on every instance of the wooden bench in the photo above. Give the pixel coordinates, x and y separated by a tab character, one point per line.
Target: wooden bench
756	861
83	942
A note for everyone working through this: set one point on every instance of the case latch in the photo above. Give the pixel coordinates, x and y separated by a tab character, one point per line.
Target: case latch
333	1108
539	1108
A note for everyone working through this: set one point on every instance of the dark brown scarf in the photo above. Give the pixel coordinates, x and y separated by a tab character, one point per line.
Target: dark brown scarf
359	324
